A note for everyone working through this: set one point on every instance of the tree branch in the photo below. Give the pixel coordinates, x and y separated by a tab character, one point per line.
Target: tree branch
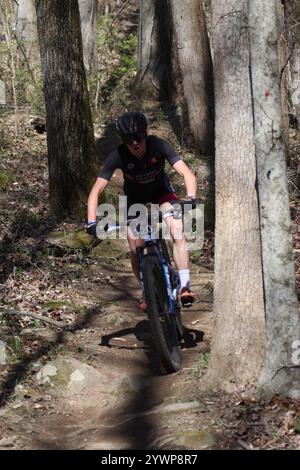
115	17
38	317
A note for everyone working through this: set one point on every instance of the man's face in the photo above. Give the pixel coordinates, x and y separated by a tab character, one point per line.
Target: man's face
137	145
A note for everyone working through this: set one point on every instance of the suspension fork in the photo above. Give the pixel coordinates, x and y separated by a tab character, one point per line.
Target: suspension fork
140	256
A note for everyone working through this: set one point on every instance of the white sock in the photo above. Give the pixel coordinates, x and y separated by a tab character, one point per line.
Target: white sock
184	276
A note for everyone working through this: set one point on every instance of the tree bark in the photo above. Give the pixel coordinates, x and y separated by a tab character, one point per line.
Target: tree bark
26	33
195	64
70	138
239	334
155	49
88	17
282	315
2	93
283	71
292	12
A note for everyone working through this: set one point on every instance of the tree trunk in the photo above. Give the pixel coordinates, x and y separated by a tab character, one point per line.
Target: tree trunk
283	71
239	335
195	64
88	17
2	93
282	315
292	11
155	47
208	21
71	146
26	33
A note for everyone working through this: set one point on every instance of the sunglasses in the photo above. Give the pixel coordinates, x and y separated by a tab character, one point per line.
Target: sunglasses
134	138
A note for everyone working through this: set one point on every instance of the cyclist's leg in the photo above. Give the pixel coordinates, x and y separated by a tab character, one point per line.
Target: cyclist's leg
134	243
180	253
175	227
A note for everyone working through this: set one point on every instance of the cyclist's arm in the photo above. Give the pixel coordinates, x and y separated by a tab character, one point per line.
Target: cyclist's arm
178	164
111	163
190	181
97	189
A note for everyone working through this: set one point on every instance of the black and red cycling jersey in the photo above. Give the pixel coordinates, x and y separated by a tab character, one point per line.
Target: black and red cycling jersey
145	179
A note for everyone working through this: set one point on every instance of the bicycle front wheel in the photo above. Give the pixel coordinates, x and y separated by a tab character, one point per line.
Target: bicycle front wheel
163	325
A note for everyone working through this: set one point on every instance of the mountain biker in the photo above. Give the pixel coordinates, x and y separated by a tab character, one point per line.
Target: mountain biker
141	157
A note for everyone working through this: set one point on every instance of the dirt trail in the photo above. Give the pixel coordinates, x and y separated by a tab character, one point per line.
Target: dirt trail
103	391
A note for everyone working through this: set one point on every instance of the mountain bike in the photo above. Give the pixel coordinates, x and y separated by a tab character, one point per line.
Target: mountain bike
160	283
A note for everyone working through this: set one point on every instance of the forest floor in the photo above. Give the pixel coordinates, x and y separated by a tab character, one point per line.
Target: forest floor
88	379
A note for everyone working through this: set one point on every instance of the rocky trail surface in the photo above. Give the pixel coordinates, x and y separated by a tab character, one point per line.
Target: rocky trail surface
102	389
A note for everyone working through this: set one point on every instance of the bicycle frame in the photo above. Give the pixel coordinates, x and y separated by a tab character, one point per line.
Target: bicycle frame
155	249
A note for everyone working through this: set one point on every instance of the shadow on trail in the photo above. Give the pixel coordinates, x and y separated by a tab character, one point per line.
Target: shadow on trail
132	422
137	423
20	370
142	332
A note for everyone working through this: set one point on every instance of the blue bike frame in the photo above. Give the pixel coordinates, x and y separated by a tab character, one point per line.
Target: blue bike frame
150	243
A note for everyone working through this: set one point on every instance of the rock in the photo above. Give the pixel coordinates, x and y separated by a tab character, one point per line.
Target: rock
7	442
52	305
198	440
78	239
76	376
111	249
70	376
133	383
68	337
118	319
3	411
116	444
176	407
47	371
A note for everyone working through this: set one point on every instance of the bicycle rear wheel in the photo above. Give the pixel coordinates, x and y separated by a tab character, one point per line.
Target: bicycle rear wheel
163	325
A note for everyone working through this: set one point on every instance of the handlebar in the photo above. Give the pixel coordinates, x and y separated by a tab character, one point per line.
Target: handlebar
179	205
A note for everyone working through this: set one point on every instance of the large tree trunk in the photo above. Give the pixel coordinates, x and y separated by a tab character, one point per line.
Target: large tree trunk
155	49
292	11
282	315
239	335
195	64
26	32
88	17
71	147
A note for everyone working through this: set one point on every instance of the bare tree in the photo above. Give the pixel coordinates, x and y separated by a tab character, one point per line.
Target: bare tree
7	16
2	93
26	33
239	334
88	17
195	64
292	12
155	48
71	146
283	60
282	314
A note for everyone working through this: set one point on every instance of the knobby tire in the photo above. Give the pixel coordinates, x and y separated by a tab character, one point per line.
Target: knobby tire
164	327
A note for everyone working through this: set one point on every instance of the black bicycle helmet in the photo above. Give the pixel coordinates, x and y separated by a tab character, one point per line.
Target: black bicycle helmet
131	124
